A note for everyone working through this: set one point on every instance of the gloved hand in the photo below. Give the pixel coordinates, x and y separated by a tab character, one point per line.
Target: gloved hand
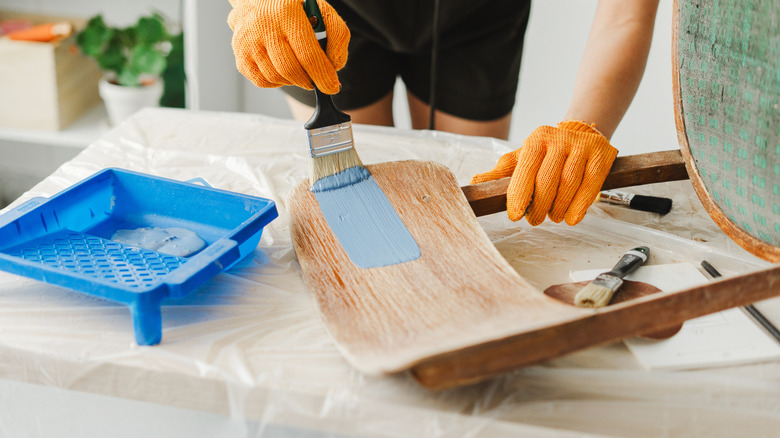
274	44
558	171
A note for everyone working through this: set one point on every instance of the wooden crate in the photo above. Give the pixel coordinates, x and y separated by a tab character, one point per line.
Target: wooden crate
45	86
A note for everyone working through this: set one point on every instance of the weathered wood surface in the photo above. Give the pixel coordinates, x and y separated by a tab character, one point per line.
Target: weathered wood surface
633	170
460	292
644	315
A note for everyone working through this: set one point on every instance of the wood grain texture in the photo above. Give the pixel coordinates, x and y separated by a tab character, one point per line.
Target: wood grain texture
643	315
753	245
633	170
77	82
460	293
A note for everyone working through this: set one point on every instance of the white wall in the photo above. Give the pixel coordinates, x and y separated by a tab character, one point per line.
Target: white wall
116	12
554	44
212	80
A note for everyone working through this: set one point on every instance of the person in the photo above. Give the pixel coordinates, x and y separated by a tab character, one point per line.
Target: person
461	58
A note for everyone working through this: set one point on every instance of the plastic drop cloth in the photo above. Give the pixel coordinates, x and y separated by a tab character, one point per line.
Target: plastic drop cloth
249	349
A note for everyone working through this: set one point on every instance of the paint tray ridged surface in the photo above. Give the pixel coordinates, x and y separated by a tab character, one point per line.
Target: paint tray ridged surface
66	240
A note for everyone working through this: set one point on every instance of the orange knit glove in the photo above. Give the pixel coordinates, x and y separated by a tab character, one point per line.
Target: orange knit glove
274	44
560	169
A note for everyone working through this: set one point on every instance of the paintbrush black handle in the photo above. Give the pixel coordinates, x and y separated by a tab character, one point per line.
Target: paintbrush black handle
325	111
314	15
653	204
630	261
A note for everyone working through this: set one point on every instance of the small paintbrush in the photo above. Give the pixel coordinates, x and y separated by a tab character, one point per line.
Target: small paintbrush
653	204
599	292
329	129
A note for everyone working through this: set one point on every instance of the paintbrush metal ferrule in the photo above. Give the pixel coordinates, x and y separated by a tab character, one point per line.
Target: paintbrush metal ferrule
616	197
330	140
608	281
599	292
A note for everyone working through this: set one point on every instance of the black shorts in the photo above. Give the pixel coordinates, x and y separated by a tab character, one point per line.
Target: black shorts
479	51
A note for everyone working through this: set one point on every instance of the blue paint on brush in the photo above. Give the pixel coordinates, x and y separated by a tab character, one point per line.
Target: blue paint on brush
363	220
344	178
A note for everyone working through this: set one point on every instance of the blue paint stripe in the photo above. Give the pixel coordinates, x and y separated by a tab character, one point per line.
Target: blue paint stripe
363	220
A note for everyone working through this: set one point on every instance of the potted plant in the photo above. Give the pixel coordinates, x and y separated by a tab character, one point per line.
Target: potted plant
133	57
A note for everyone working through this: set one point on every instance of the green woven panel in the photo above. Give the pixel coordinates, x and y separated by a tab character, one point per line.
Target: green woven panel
729	56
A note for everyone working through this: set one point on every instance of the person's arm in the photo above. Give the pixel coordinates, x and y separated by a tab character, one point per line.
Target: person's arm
613	63
559	170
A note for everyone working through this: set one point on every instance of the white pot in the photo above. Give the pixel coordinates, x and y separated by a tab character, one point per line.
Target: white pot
121	102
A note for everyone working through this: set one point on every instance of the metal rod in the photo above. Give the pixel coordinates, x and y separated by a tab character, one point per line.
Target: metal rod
751	310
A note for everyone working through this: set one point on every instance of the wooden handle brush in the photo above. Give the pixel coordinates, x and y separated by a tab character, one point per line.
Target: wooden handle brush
599	292
329	129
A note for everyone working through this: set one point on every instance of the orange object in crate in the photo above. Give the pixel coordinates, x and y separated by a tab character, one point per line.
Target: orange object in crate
44	33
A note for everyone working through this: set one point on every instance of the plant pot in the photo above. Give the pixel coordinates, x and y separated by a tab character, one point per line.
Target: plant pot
121	101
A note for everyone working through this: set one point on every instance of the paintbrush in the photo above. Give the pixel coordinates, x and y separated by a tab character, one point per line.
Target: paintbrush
599	292
652	204
329	129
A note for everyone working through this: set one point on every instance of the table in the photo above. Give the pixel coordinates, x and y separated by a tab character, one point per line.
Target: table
247	355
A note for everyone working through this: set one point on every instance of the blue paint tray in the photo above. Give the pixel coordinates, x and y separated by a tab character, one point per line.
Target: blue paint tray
66	239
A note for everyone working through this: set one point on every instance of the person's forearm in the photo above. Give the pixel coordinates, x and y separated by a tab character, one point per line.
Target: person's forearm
613	63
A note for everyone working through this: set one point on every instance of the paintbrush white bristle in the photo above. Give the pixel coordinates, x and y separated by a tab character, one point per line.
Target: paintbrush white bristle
594	296
332	164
